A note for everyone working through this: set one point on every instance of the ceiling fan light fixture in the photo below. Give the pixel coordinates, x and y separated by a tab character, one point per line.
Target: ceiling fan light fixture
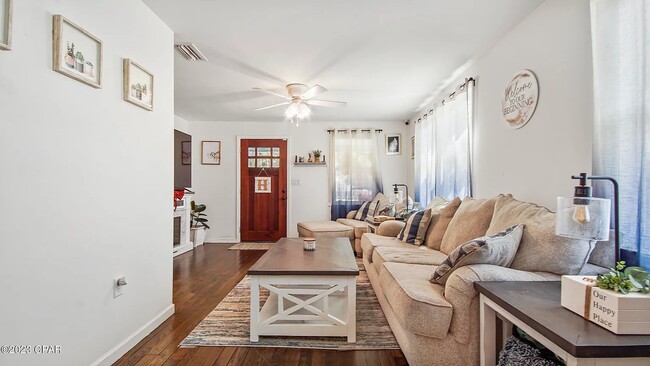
303	111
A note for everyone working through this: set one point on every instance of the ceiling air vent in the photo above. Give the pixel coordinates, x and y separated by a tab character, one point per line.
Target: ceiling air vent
190	52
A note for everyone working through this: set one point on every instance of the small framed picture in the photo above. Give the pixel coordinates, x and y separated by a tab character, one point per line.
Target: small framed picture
76	53
211	152
138	85
412	147
186	152
393	144
6	7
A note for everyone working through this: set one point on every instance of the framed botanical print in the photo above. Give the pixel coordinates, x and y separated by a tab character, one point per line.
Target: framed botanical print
6	7
211	152
393	144
138	85
76	53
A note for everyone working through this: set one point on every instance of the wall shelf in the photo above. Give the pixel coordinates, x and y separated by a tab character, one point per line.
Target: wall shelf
322	163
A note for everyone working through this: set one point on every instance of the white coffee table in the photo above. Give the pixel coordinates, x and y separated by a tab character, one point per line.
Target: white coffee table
312	293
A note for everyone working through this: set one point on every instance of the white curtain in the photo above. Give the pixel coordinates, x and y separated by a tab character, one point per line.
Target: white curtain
443	148
621	51
354	170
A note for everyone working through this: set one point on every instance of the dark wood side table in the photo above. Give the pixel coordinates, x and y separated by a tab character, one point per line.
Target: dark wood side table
535	308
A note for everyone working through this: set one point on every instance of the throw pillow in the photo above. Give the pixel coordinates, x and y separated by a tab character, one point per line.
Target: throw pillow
540	249
437	202
440	219
498	249
362	212
382	203
470	221
416	228
386	211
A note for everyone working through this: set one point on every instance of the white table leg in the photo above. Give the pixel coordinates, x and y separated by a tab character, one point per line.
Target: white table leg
352	309
488	331
255	307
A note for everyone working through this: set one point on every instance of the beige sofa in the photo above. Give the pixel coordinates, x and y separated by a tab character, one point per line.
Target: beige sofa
361	227
439	324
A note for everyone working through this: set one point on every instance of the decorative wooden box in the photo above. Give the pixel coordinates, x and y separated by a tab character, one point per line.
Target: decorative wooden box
618	313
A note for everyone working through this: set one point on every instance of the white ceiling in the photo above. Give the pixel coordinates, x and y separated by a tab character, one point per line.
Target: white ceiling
383	57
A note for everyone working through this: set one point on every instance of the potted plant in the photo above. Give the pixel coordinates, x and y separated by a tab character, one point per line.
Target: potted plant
624	280
79	61
317	155
199	223
69	56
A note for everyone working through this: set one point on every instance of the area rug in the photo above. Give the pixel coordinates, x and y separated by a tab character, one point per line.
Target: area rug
252	246
228	324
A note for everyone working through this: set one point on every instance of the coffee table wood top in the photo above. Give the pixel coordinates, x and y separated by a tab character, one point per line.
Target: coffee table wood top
332	257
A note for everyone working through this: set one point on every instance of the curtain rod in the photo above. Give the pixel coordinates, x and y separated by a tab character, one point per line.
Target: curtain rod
459	88
353	130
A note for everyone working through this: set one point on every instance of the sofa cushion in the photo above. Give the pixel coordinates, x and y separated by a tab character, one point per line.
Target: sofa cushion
411	255
360	227
370	241
325	229
470	221
437	202
416	228
540	249
418	304
498	249
440	218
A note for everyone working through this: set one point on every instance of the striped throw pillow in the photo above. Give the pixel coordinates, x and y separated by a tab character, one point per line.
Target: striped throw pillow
363	211
416	228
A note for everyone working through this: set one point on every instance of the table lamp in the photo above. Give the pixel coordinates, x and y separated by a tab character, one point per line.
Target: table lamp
396	191
585	217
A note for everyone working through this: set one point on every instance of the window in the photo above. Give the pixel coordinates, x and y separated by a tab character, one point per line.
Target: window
443	141
621	45
354	170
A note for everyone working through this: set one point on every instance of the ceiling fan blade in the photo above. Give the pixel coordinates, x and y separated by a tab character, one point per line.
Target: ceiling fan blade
272	106
273	93
313	91
327	103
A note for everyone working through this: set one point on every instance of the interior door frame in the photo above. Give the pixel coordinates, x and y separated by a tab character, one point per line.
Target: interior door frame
289	186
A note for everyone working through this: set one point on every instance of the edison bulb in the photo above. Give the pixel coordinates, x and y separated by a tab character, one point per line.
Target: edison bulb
581	214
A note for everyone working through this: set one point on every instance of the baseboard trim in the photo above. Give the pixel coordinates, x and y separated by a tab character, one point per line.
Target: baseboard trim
129	342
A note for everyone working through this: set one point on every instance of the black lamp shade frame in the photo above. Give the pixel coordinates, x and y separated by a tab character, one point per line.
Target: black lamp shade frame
395	190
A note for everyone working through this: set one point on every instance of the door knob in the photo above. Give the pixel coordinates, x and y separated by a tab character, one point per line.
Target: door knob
284	198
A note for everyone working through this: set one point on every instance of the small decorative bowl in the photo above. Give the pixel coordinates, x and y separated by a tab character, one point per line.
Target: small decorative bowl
309	244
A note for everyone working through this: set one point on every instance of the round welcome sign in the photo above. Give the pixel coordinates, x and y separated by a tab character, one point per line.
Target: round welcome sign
520	99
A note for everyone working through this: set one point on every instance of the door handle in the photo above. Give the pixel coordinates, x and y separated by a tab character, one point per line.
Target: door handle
284	198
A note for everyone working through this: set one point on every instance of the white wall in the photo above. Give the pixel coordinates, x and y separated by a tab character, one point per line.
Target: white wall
216	186
535	163
86	187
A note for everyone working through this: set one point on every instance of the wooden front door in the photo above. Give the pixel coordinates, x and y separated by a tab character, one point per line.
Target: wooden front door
263	189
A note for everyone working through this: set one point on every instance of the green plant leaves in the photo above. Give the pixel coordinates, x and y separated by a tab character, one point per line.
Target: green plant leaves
625	280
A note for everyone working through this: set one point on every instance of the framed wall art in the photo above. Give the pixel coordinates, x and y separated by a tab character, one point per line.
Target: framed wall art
520	99
186	152
393	144
6	7
211	152
138	85
76	53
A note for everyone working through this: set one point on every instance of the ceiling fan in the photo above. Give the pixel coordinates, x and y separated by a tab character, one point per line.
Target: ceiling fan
299	100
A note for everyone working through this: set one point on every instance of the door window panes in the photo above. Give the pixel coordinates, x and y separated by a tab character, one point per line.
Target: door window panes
276	152
264	163
264	151
251	151
276	163
251	163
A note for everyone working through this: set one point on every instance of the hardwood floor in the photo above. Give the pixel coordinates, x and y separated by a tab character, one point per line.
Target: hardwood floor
202	278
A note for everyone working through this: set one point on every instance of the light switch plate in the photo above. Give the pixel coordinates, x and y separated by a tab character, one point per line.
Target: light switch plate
295	182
